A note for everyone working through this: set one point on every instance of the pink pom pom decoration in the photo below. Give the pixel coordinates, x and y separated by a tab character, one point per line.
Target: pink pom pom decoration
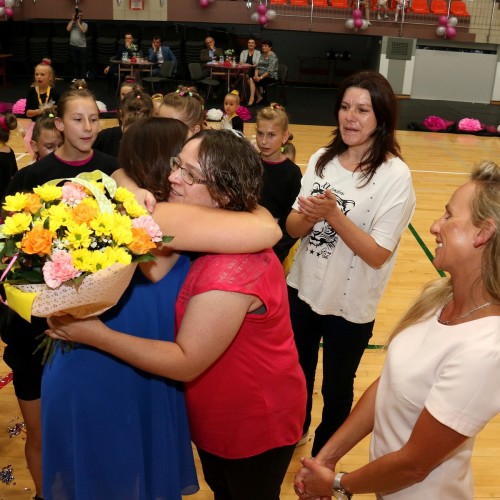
357	14
2	3
204	3
9	12
263	20
261	9
358	23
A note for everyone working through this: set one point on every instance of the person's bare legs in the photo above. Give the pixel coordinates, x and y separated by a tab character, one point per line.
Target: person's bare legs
32	415
253	89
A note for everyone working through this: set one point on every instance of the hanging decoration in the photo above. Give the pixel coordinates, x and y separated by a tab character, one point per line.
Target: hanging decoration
205	3
356	21
6	8
262	16
446	27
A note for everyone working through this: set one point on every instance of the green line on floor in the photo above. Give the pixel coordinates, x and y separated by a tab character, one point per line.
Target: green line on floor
423	246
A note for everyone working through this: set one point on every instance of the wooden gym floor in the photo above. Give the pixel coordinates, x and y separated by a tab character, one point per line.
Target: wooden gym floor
439	163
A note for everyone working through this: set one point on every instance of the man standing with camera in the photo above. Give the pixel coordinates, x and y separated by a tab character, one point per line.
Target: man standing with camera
77	43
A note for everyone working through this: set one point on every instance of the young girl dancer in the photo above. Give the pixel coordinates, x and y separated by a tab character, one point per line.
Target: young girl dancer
281	175
41	96
186	105
78	121
135	105
231	105
46	138
8	165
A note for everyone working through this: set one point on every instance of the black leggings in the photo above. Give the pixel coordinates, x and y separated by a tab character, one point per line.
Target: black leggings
258	477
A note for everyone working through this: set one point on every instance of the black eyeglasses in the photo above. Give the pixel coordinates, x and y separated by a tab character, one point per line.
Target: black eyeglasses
187	176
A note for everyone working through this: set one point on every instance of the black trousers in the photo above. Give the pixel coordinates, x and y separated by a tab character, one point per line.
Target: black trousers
79	58
343	345
258	477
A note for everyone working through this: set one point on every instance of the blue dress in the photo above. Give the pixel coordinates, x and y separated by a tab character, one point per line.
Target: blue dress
111	431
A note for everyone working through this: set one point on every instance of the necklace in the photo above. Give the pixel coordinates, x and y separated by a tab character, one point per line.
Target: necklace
447	322
47	92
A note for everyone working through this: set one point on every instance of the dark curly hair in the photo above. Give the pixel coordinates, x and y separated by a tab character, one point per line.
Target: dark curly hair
233	167
385	108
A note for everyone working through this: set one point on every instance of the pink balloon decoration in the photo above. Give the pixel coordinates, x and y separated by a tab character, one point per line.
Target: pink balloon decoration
357	14
261	9
263	20
204	3
358	23
451	32
443	21
9	12
2	3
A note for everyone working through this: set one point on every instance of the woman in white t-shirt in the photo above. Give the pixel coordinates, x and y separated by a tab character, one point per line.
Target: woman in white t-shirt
439	385
355	202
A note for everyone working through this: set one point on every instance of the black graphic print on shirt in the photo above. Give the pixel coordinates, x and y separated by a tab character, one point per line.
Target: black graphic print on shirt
323	237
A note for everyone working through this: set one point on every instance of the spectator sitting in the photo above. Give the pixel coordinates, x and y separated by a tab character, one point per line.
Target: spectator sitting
266	72
129	47
158	54
211	53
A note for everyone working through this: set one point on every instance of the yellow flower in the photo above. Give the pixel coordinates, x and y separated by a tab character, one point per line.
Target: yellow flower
122	229
15	203
123	194
82	259
78	236
16	224
91	202
58	215
118	255
103	224
49	192
133	208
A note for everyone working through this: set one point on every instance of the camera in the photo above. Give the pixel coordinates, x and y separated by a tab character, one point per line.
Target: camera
77	13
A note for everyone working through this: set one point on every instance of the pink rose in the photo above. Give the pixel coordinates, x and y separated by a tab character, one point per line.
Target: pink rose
73	193
150	226
59	269
469	125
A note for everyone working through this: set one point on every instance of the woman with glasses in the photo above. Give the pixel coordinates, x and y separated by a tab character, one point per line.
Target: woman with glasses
234	348
112	430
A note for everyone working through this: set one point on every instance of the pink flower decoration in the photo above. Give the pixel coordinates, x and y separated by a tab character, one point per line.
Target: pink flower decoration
435	123
19	107
243	113
73	193
150	226
469	125
59	269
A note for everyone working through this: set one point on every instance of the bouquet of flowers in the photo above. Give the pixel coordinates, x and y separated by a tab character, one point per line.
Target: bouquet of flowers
229	52
71	248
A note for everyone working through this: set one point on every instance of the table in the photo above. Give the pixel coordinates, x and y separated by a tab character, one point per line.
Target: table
3	68
228	70
134	69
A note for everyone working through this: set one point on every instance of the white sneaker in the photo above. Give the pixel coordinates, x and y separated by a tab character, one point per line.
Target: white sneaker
303	440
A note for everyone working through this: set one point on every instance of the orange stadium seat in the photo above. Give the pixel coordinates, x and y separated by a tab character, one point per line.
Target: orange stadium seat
458	8
301	3
340	4
439	7
420	7
278	2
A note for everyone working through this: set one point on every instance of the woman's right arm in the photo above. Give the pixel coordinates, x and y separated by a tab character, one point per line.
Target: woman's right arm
203	229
